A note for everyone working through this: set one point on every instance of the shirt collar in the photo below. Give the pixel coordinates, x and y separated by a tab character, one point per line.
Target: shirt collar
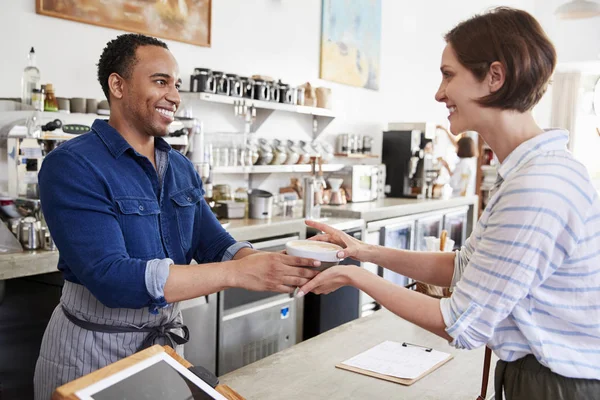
550	140
116	143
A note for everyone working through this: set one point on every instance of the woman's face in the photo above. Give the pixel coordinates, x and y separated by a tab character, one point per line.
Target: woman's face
459	90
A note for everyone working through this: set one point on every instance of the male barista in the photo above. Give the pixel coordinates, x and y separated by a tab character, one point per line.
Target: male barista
127	214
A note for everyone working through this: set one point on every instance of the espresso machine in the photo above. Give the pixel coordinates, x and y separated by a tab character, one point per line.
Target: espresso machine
26	137
409	166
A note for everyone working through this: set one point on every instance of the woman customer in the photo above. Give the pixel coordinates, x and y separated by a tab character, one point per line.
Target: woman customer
462	177
527	281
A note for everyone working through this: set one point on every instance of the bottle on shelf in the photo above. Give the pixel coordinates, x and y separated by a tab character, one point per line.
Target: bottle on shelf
30	79
50	102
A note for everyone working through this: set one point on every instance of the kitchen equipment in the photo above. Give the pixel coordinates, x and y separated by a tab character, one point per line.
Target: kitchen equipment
222	193
287	94
232	209
47	243
280	153
324	97
357	143
261	204
315	149
236	88
341	144
337	197
200	315
247	87
293	155
455	223
327	311
253	325
310	187
327	152
304	155
408	158
398	233
310	98
300	96
367	147
360	182
29	233
261	90
202	81
221	83
250	155
308	148
401	153
274	93
429	224
265	152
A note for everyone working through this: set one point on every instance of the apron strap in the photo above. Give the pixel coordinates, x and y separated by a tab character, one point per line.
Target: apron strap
154	333
486	373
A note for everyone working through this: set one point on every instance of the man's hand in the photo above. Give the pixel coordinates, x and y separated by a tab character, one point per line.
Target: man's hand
273	272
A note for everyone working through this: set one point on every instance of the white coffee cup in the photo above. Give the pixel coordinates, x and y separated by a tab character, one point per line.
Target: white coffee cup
322	251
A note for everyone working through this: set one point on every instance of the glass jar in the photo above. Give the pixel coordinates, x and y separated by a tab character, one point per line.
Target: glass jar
222	193
279	153
293	156
265	152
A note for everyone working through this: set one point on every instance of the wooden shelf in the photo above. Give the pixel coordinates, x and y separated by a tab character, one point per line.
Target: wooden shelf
356	155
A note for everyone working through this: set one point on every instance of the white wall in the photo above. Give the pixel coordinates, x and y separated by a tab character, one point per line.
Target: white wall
272	37
576	41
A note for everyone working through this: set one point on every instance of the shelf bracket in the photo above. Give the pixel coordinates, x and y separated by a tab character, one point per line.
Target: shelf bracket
319	123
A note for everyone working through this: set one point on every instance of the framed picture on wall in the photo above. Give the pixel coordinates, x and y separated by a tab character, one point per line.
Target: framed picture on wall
185	21
351	42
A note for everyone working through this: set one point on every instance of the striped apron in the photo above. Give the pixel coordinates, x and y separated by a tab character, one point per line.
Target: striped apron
69	352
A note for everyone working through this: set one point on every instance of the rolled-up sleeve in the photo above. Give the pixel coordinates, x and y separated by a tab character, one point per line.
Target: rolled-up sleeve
233	249
506	263
157	273
461	259
82	219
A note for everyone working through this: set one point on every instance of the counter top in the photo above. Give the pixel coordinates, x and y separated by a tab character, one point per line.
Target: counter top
394	207
307	370
28	263
16	265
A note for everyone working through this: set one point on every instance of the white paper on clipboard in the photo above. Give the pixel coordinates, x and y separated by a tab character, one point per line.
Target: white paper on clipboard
395	359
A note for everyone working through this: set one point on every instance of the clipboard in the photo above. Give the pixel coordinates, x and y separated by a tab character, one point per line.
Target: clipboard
403	355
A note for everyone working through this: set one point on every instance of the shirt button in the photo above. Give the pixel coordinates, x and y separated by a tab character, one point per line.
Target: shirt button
189	199
141	207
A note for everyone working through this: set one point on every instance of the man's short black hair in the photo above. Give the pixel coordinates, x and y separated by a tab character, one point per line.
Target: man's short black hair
119	56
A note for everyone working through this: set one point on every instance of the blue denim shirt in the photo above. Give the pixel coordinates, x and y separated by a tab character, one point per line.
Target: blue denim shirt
118	225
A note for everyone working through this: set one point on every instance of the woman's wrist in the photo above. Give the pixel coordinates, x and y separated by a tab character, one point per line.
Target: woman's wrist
367	253
356	277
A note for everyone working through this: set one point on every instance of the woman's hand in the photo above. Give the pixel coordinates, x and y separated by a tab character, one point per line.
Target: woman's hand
353	248
331	279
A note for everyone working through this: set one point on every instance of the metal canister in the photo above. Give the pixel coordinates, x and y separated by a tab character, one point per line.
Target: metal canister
367	144
342	143
29	233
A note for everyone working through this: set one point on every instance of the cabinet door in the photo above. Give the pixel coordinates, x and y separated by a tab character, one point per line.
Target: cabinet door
455	223
368	304
200	316
398	236
427	226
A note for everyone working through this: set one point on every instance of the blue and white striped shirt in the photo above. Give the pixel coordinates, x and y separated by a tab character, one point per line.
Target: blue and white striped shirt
527	281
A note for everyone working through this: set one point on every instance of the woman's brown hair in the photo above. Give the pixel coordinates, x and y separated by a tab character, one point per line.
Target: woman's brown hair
466	147
515	39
